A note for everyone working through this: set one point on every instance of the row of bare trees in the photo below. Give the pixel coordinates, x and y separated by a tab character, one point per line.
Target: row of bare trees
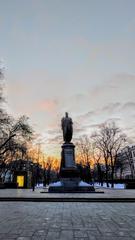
103	147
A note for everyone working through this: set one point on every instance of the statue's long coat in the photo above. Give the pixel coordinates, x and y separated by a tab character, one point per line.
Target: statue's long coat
67	128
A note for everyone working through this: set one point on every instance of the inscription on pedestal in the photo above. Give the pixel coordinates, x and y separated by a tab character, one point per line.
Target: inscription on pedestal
69	158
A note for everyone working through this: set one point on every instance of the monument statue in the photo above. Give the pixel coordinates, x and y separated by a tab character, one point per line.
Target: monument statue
67	127
69	174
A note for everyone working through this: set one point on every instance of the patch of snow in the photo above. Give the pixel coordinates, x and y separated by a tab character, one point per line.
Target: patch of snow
116	186
55	184
40	185
119	186
83	184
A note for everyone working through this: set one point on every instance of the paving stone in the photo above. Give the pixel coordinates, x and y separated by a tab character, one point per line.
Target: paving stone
66	235
80	234
132	234
92	238
23	238
53	235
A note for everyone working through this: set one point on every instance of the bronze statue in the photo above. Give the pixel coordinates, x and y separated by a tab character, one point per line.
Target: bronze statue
67	127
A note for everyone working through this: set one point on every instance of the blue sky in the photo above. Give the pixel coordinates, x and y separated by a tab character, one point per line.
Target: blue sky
76	56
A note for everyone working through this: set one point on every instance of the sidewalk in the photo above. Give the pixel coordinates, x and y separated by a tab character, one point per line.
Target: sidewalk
41	195
67	221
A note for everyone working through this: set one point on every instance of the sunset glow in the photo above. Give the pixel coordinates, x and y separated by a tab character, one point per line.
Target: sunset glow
69	56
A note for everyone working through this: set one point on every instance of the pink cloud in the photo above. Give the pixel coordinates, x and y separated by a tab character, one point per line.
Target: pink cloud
48	105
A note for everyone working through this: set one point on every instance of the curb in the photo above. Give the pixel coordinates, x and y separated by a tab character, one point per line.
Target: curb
105	200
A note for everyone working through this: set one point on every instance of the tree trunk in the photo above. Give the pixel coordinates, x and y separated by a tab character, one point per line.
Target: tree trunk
121	173
7	141
107	184
132	172
112	172
112	177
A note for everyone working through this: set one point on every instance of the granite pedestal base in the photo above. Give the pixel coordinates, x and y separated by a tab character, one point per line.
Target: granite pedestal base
70	182
71	187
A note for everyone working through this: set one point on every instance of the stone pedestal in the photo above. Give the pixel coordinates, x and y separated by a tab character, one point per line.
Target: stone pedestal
69	174
67	155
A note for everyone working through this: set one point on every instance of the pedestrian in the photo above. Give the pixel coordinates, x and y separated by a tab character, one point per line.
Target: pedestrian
33	180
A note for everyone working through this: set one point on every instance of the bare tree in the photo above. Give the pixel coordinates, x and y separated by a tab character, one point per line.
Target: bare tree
120	164
116	142
84	150
13	132
109	140
1	86
4	118
21	131
96	155
101	144
127	154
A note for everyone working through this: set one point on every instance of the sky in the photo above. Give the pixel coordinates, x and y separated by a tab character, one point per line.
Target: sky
75	56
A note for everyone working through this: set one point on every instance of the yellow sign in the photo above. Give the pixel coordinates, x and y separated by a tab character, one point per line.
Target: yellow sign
20	181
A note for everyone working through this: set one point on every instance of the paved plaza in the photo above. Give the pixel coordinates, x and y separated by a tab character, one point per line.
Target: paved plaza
28	193
67	221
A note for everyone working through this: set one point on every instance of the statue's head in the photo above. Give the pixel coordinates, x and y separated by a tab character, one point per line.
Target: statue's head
66	114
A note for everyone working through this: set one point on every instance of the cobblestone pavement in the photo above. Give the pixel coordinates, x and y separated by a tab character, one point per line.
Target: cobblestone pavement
67	221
